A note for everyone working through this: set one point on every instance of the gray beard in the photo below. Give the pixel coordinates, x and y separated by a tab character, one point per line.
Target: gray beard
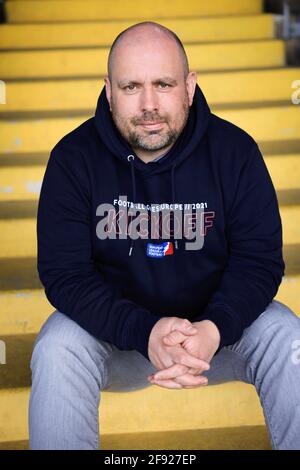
138	141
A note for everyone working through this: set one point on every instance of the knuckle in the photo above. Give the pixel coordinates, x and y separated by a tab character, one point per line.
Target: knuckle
181	369
181	358
173	335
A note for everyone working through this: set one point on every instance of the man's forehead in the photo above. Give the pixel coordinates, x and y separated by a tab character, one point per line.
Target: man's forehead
139	59
145	36
133	49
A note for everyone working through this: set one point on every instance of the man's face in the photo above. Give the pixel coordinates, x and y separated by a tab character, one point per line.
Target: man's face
149	97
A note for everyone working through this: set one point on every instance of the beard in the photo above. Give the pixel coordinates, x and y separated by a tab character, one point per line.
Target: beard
150	140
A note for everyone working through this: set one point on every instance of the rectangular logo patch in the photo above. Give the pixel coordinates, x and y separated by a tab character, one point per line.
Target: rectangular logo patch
158	251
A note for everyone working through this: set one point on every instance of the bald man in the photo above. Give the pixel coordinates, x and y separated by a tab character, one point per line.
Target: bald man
160	248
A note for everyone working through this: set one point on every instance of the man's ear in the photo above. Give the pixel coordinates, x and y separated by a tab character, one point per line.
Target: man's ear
191	82
107	90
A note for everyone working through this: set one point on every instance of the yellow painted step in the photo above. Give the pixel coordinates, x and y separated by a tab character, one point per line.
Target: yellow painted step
278	123
18	183
19	273
288	292
233	438
290	216
18	236
93	62
54	11
219	89
242	87
24	311
216	406
284	170
95	33
24	183
267	124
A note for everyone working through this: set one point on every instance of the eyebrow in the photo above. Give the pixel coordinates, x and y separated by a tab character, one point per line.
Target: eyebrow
170	80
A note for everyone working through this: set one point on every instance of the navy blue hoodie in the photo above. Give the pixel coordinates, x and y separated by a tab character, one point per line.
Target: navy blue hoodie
117	288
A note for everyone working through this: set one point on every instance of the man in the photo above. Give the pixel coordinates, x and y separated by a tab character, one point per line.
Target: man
160	246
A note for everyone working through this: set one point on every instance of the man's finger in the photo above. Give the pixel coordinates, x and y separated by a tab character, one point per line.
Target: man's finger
170	372
168	384
192	361
180	356
184	381
185	326
188	380
175	337
194	371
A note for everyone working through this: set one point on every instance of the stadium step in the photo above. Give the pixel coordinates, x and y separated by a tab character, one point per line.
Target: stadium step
235	438
65	10
235	405
97	33
25	309
91	62
272	126
222	90
23	183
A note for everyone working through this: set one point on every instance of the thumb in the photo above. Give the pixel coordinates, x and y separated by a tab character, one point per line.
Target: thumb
185	326
178	335
174	337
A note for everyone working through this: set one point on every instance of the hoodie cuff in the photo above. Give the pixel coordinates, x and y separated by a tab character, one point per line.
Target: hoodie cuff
138	331
226	323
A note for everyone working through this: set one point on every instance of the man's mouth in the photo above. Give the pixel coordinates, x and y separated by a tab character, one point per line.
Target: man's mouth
152	125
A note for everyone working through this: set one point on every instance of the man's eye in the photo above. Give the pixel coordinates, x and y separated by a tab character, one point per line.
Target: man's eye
129	87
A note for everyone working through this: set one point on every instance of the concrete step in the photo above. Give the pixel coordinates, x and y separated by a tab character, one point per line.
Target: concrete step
19	273
97	33
228	405
277	126
235	438
92	62
20	183
237	89
23	311
64	10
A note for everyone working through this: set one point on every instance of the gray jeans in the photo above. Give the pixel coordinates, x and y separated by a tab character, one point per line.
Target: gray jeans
70	368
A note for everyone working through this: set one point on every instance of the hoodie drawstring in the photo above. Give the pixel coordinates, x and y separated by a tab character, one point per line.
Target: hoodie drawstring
130	159
173	197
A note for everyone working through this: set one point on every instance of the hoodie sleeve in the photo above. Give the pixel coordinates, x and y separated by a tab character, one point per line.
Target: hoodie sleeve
72	283
255	265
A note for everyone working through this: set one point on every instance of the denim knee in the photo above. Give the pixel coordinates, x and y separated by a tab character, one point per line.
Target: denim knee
274	332
279	316
63	344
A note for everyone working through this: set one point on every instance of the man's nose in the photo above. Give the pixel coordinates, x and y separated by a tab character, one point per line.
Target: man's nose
149	99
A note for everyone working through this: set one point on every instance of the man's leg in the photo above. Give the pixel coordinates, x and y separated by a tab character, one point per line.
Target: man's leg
268	357
69	369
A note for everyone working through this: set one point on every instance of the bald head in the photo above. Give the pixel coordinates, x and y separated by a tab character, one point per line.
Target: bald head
145	32
149	87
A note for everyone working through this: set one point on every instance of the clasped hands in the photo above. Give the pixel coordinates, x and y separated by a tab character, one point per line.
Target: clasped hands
182	351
